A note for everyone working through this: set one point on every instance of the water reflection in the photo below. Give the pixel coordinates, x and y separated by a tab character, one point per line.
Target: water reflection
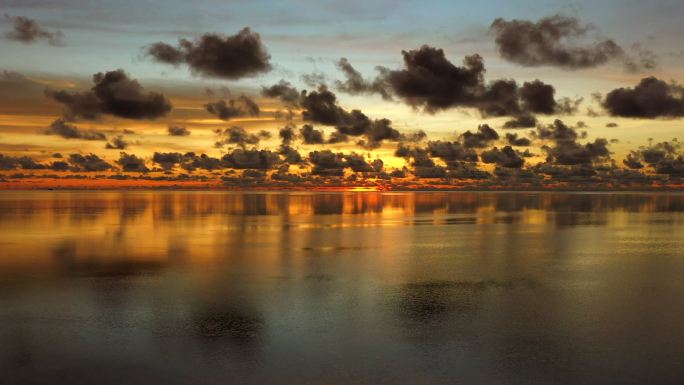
209	287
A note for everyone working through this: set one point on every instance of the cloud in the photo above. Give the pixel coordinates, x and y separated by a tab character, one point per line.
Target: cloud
290	155
506	157
167	160
663	158
566	150
431	82
251	159
523	121
327	163
25	162
282	90
69	131
358	163
237	135
552	41
178	131
114	93
118	143
216	55
355	84
88	163
480	139
514	140
131	163
651	98
310	135
321	107
241	106
287	134
28	31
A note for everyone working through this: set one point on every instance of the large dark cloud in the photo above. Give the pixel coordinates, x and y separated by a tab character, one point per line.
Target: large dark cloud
552	41
241	106
28	31
116	94
355	84
651	98
216	55
70	131
431	82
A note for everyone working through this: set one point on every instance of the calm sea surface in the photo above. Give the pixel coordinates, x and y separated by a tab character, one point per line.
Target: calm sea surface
341	288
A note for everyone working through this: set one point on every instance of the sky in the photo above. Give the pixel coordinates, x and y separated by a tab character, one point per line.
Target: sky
354	94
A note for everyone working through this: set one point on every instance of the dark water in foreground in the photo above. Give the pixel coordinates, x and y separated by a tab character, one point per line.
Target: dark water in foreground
415	288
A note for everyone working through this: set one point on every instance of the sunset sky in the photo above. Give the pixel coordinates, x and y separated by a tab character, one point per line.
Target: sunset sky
365	94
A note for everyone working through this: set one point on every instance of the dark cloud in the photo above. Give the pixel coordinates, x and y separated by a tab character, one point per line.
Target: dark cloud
663	158
239	136
337	137
310	135
241	106
358	163
215	55
116	94
69	131
523	121
167	160
538	97
27	31
551	42
117	143
287	134
514	140
88	163
251	159
355	84
24	162
131	163
327	163
321	107
191	162
505	157
290	155
452	153
178	131
611	125
282	90
480	139
431	82
59	166
566	150
651	98
558	132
